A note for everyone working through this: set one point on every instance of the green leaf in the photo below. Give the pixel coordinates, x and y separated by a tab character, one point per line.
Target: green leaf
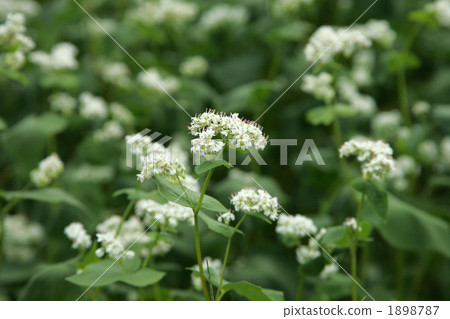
253	292
108	273
408	227
3	124
209	165
376	196
218	227
321	115
260	216
176	194
49	195
14	75
426	17
48	283
344	110
398	60
132	195
338	235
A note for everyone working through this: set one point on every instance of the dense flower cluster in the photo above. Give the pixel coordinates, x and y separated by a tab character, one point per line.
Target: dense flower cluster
171	12
295	227
93	107
116	73
375	156
224	16
78	235
255	200
362	104
379	31
194	66
63	103
153	80
307	253
163	215
158	163
237	132
441	11
61	57
386	124
210	266
21	238
226	218
404	166
48	170
14	44
320	86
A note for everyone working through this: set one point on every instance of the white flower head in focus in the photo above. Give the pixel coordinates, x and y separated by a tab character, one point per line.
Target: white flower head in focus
78	235
226	218
251	200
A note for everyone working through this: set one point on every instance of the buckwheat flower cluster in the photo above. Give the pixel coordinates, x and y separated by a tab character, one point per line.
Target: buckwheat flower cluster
93	107
441	10
239	133
14	44
48	170
158	163
286	7
210	266
21	238
320	86
295	227
205	145
226	218
307	253
379	31
153	80
78	235
121	114
328	271
163	215
363	64
116	73
114	246
386	124
111	130
61	57
348	91
194	66
352	223
257	201
62	103
428	152
328	42
26	7
421	108
404	166
223	16
375	156
171	12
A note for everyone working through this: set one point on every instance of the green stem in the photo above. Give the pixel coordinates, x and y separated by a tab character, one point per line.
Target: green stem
338	140
225	258
127	211
354	250
301	285
198	250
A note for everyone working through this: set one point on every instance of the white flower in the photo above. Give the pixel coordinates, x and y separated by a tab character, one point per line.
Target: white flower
153	80
224	16
194	66
286	7
21	238
78	235
421	108
375	156
226	218
320	86
348	91
26	7
327	42
49	170
352	223
441	10
93	107
63	103
171	12
386	124
307	253
328	271
157	163
116	73
404	166
121	114
239	133
111	130
256	201
295	227
163	215
210	266
205	145
428	151
379	31
61	57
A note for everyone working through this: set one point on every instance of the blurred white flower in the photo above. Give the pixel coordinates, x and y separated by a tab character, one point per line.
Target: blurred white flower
328	271
428	152
111	130
48	170
63	103
78	235
379	31
441	11
224	16
171	12
295	227
153	80
194	66
21	238
251	200
116	73
26	7
226	218
320	86
421	108
307	253
121	114
93	107
286	7
348	91
163	215
352	223
61	57
386	124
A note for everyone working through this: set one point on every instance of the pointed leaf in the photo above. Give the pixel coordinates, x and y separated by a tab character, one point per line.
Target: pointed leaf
218	227
209	165
376	196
